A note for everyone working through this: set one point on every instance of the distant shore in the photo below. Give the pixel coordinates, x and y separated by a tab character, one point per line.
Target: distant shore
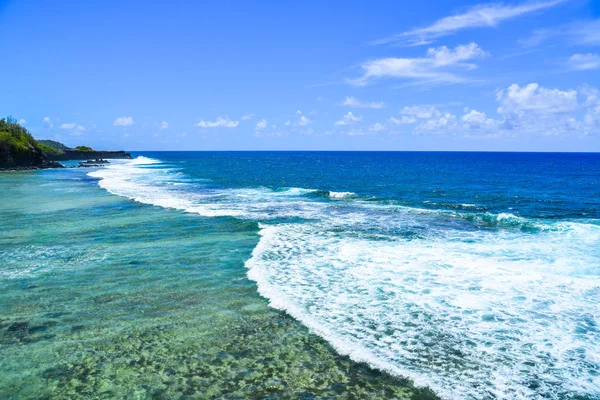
19	151
89	155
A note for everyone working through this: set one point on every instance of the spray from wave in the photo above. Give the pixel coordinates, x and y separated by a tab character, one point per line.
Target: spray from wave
474	305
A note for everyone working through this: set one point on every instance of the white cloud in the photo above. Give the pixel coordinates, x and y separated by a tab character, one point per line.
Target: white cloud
348	119
377	127
262	124
428	117
402	121
22	121
420	112
476	120
445	122
164	125
522	110
123	121
48	122
303	121
220	122
482	15
287	123
438	66
247	117
393	122
583	62
592	118
73	128
353	102
533	98
592	95
474	117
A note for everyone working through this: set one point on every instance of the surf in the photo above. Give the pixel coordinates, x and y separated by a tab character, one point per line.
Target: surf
472	304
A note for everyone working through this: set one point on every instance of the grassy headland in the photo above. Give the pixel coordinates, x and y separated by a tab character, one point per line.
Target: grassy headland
19	150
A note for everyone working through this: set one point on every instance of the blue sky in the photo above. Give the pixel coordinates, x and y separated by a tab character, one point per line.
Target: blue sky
335	75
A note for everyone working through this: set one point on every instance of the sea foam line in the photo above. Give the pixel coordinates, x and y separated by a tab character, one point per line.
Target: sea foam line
315	251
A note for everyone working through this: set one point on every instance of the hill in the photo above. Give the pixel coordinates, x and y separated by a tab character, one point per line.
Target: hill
17	147
54	144
19	150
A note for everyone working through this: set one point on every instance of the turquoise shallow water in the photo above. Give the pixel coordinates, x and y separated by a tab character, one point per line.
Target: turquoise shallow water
303	275
102	297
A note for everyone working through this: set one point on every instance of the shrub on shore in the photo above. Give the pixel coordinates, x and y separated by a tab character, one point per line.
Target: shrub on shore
17	146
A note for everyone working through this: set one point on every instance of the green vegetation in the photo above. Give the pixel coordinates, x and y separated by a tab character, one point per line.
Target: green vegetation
53	144
19	150
17	146
84	148
48	150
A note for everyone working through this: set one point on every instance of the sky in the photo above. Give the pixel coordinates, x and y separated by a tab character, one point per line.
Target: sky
309	75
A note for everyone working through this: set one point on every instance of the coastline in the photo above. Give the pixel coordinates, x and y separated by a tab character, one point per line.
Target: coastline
100	313
52	161
46	165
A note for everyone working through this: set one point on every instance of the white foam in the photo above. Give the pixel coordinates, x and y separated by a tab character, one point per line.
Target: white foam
141	181
426	294
471	316
341	195
294	191
141	160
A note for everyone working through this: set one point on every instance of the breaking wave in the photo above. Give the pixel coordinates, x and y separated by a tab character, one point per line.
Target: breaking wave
473	304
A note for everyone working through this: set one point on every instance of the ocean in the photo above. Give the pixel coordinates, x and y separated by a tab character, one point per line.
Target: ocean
314	275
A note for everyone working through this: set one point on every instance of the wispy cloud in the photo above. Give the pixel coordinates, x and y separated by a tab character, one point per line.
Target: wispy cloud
581	33
377	127
538	37
48	122
583	62
123	121
353	102
586	33
438	66
73	128
164	125
246	117
483	15
220	122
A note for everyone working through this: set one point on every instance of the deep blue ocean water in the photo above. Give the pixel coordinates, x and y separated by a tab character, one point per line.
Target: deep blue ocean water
303	274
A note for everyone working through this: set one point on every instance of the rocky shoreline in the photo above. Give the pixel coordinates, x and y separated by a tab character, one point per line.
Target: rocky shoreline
45	165
20	151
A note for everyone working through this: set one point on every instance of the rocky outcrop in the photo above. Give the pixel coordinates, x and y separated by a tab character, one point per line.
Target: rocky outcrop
20	151
43	165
